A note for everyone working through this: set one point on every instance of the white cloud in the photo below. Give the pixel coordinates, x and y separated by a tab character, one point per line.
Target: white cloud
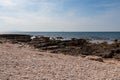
7	3
33	22
44	20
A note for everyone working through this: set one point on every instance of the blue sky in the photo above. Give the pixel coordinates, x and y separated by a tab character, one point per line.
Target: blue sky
59	15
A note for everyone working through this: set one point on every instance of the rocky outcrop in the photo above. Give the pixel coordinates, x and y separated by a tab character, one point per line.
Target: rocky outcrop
16	37
40	42
72	47
116	53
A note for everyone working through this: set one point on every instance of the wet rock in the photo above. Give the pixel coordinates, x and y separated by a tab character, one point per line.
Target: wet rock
42	39
116	41
59	38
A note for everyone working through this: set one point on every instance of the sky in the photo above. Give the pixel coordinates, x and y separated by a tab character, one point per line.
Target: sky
59	15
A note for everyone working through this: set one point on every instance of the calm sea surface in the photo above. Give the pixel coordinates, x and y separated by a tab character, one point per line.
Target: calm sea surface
68	35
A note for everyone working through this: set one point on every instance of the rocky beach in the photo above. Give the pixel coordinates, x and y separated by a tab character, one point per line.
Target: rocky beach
45	58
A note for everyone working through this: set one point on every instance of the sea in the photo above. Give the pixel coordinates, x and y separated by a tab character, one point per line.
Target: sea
92	36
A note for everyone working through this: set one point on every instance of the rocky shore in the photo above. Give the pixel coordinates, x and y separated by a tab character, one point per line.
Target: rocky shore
74	47
23	58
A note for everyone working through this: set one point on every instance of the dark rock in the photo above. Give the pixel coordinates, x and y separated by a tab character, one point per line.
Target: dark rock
65	43
41	45
118	51
113	51
52	47
116	40
81	42
86	50
117	56
59	38
1	42
16	37
40	40
74	42
95	58
54	51
108	55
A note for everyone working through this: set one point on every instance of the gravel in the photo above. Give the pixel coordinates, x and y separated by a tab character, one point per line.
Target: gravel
25	63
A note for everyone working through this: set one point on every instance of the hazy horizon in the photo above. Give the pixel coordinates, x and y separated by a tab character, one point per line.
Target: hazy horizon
59	15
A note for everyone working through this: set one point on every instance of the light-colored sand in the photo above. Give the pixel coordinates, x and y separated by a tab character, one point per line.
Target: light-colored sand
24	63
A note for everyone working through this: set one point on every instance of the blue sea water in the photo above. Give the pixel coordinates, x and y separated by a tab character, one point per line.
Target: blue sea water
105	36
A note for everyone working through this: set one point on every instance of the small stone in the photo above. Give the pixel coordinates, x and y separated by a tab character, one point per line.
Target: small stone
95	58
